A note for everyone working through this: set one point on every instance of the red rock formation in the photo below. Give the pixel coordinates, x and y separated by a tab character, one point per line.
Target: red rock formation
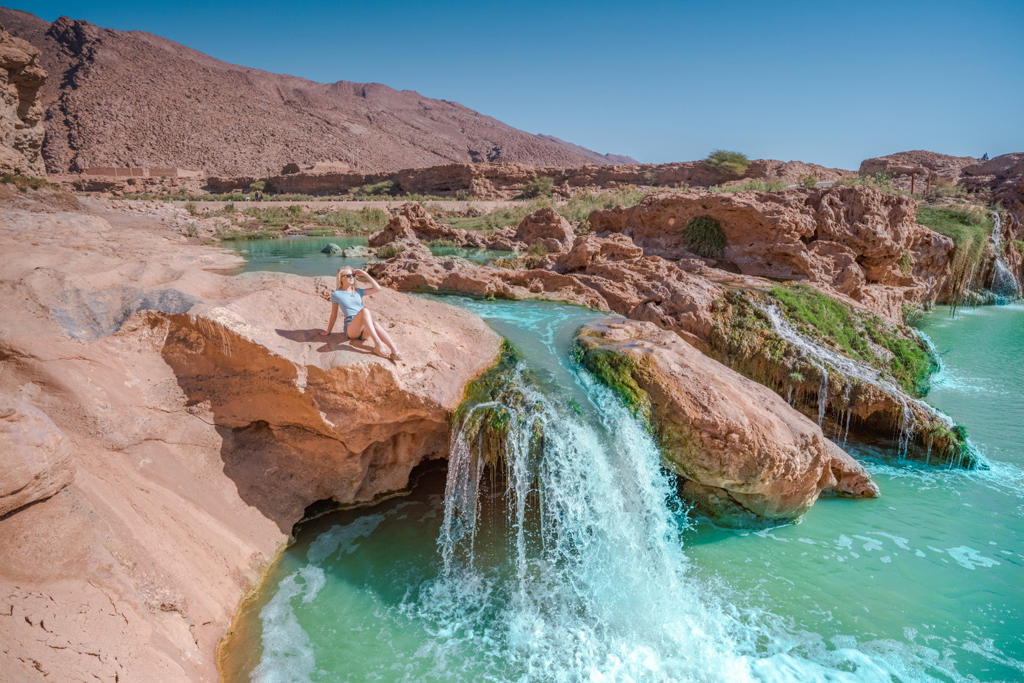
918	162
21	112
206	413
744	453
849	239
200	113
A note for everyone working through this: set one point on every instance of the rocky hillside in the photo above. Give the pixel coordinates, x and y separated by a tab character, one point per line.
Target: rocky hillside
128	98
21	114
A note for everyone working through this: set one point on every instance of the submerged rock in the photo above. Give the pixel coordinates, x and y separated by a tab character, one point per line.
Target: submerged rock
744	454
332	249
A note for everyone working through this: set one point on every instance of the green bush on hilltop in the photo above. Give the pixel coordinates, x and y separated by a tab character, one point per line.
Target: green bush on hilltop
704	236
726	163
384	187
809	181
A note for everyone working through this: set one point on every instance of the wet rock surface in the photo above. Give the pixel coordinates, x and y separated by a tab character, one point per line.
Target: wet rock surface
746	456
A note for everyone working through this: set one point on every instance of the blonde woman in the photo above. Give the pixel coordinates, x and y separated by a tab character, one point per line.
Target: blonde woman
358	319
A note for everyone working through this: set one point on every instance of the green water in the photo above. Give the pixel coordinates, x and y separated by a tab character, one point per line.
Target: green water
924	583
302	255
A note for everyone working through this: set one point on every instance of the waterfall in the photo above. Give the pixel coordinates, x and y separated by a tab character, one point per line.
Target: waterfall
849	368
595	585
1004	284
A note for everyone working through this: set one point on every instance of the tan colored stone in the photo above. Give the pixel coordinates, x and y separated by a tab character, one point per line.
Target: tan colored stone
746	451
21	111
35	456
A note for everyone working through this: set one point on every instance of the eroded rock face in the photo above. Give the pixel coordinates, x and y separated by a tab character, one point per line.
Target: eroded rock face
918	162
745	454
21	112
187	482
849	239
35	456
547	228
314	417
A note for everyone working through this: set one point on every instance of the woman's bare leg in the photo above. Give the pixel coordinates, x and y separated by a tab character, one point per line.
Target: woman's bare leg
383	334
363	322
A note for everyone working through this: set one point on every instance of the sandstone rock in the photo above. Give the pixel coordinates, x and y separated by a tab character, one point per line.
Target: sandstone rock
35	456
155	468
745	453
918	162
844	238
587	249
547	228
21	111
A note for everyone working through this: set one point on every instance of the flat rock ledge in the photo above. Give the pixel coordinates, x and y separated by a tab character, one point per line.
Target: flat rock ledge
746	458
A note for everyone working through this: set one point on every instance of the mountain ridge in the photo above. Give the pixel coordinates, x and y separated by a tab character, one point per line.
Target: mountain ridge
111	101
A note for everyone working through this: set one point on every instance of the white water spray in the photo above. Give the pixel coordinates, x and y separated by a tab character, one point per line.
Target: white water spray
1004	284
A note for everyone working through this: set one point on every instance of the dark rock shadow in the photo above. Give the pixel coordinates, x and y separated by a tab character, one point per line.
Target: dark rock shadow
336	341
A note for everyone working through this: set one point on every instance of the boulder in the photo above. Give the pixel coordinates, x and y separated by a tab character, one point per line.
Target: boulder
21	110
744	454
332	249
35	456
545	227
918	162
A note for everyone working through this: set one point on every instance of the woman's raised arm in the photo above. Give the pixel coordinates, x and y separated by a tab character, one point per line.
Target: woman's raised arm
374	287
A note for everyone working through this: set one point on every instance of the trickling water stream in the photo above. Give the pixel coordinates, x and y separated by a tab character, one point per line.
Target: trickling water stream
1004	284
571	561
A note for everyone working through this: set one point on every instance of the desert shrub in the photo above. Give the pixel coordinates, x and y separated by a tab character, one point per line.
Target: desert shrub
384	187
192	208
755	184
538	187
969	230
295	209
727	163
905	263
191	229
390	251
228	208
879	181
442	244
809	181
24	182
580	206
538	249
703	236
257	186
1019	246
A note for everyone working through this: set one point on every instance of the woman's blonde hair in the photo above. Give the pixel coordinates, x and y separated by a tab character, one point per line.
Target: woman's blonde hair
338	281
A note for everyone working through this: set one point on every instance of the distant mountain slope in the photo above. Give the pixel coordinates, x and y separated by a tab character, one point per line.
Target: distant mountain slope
128	98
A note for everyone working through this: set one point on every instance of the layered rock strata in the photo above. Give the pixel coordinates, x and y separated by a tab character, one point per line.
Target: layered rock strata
744	455
21	111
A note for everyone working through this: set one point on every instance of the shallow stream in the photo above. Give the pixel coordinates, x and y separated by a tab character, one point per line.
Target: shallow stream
576	562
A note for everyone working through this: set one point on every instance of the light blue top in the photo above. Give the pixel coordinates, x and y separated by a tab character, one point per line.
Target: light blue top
350	302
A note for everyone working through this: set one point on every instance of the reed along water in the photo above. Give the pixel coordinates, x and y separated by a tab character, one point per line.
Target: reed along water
570	557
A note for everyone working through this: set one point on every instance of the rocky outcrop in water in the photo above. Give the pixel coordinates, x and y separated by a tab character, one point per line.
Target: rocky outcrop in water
206	413
744	454
21	111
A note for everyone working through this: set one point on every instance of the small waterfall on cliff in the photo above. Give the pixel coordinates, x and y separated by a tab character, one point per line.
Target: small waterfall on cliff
1004	284
596	585
849	369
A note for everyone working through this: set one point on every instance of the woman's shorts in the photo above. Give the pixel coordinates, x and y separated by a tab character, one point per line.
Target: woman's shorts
348	319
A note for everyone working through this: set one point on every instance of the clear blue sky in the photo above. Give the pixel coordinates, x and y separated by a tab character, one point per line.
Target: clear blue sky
659	81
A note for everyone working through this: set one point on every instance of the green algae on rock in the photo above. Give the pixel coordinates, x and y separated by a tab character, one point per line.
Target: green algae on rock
746	457
837	363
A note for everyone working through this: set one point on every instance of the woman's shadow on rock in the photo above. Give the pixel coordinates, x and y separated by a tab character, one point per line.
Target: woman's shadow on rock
336	341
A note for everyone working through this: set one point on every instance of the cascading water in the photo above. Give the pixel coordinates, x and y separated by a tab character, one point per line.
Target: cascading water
1004	284
598	587
848	369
